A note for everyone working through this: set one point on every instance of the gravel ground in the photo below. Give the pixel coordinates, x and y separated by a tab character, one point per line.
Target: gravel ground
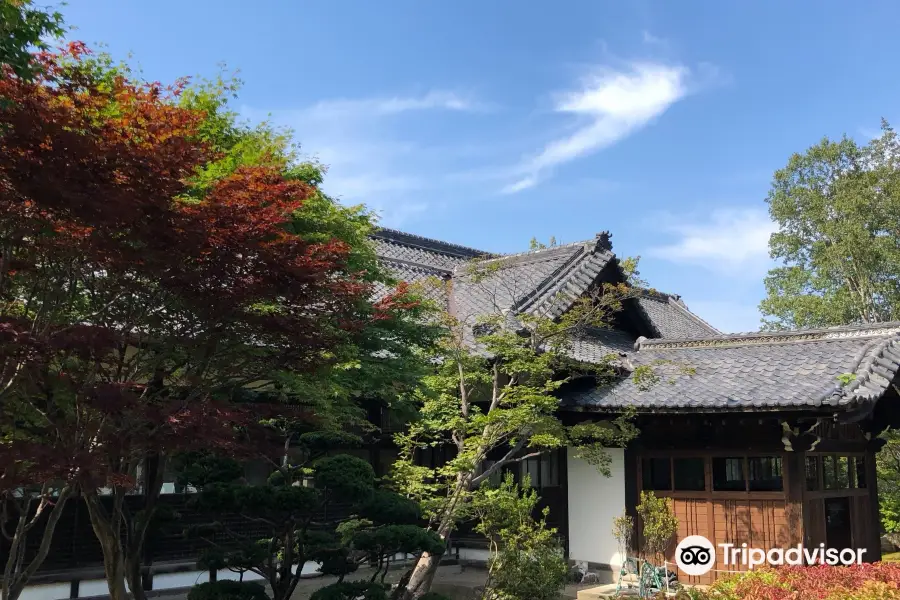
459	583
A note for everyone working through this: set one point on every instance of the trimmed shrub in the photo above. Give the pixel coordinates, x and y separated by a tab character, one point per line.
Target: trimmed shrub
351	590
872	581
434	596
228	590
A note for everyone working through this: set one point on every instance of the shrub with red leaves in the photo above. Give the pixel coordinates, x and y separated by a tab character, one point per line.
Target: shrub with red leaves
868	581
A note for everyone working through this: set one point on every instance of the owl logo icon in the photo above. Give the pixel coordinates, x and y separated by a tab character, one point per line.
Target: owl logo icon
695	555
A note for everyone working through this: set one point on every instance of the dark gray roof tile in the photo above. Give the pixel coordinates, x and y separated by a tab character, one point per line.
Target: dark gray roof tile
595	345
777	370
542	282
671	318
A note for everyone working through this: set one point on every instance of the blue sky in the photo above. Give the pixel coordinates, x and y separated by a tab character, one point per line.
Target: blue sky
487	123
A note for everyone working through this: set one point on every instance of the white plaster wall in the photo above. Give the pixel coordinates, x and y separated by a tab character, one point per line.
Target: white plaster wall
594	501
50	591
164	581
474	554
93	587
226	574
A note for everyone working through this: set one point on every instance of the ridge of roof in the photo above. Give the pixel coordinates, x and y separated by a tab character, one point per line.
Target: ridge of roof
517	258
656	294
874	330
679	304
876	366
411	239
557	294
528	257
598	243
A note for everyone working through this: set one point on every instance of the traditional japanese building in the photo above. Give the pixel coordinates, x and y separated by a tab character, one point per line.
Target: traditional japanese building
766	439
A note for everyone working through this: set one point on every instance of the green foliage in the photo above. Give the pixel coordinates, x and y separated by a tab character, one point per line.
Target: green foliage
623	530
385	506
837	207
237	144
846	378
353	590
496	387
534	244
212	559
644	377
888	469
202	468
336	561
345	476
23	29
228	590
315	442
388	540
684	593
287	529
492	397
527	559
433	596
658	524
386	358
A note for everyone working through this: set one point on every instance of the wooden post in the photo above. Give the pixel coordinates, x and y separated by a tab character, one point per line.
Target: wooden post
794	473
874	553
563	466
632	494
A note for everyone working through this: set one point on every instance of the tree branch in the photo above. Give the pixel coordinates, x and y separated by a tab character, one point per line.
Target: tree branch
497	465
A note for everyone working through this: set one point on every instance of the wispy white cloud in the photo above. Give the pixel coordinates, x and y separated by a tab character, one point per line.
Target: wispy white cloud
528	181
731	241
612	105
371	154
386	106
653	40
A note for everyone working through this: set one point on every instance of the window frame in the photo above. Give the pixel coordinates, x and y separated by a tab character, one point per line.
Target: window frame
551	457
708	457
853	490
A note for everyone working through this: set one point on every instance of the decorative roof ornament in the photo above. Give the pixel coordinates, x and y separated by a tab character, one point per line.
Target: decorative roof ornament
603	241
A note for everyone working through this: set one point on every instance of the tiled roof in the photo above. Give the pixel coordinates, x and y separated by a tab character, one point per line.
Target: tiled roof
401	247
542	282
594	346
413	258
798	369
695	366
670	317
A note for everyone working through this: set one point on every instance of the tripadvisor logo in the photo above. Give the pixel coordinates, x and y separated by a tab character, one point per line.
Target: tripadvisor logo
696	555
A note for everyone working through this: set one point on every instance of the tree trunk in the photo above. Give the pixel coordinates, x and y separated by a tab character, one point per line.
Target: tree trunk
111	545
16	577
423	573
136	556
134	576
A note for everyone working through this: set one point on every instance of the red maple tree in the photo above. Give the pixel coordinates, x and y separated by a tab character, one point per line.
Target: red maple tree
132	309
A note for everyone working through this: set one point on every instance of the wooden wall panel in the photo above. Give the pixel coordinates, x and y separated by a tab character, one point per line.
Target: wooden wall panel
757	523
815	522
693	519
861	524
